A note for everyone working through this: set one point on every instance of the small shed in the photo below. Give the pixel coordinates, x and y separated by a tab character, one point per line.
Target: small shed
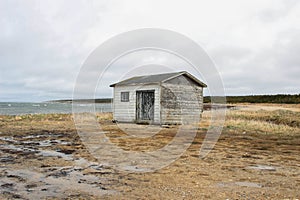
171	98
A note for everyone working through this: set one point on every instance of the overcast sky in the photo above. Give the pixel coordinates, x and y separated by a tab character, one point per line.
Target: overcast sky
255	44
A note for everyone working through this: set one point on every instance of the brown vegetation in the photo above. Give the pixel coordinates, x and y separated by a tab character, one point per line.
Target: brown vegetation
256	157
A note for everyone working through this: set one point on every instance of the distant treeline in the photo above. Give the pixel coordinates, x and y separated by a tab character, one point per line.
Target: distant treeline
278	98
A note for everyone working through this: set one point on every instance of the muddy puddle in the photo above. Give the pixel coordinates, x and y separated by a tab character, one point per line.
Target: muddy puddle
30	184
47	182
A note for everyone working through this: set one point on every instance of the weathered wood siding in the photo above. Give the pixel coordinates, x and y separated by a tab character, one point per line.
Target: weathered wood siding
126	111
181	101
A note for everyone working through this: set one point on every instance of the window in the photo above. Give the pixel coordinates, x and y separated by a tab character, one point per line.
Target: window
124	96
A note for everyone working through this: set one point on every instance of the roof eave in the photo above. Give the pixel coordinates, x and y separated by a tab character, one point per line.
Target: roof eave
134	84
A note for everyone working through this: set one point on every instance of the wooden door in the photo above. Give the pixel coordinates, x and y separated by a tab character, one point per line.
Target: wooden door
145	106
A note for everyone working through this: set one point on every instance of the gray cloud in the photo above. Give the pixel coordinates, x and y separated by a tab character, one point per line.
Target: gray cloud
255	44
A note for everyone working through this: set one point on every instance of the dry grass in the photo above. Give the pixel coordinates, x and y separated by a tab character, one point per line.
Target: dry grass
35	123
255	126
254	119
104	116
268	106
248	118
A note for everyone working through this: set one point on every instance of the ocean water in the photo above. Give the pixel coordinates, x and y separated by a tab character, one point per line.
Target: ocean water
16	108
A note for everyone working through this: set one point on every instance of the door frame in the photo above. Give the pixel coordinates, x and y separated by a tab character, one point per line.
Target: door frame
137	116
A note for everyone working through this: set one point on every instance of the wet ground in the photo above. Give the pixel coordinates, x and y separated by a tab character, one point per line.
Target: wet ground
45	166
42	157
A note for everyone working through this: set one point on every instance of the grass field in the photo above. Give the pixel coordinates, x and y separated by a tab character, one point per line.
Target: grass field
264	119
256	157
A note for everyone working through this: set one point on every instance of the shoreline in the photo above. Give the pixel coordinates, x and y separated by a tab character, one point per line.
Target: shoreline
13	108
206	107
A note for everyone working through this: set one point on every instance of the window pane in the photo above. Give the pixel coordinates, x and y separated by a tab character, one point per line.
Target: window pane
124	96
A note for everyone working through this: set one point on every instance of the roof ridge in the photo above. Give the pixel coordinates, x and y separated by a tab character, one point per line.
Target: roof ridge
156	79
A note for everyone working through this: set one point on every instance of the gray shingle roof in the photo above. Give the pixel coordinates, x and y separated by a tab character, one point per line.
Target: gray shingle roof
156	79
